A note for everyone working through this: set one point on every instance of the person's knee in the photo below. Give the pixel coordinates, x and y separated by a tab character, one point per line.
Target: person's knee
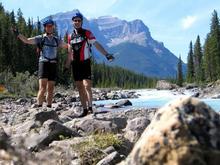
42	89
87	86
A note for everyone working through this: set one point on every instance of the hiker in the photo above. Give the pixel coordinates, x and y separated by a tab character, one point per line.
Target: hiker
47	69
79	48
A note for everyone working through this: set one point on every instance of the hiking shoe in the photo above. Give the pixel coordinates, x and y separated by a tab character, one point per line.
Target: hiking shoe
90	111
85	112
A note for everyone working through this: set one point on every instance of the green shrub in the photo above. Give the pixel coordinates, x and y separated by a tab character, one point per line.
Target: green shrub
21	85
90	151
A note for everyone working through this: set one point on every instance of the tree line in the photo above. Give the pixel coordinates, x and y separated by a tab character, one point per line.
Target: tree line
18	57
203	62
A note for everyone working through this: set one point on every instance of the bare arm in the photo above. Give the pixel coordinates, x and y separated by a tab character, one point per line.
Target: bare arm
26	40
63	45
69	57
100	48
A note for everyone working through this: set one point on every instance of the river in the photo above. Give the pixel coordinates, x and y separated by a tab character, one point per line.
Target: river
152	98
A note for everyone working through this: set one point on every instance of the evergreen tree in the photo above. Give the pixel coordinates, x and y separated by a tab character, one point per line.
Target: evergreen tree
190	65
198	60
208	60
179	72
215	44
211	60
39	31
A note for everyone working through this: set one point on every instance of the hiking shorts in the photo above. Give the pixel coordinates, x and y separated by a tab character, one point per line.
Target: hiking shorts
47	70
81	70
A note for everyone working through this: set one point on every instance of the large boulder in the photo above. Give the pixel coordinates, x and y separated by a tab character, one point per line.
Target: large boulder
165	85
185	132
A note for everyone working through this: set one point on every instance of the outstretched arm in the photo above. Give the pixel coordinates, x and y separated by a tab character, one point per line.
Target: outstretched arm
26	40
100	48
22	37
63	45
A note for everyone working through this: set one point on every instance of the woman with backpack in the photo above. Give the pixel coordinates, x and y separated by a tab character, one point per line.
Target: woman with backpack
79	49
47	70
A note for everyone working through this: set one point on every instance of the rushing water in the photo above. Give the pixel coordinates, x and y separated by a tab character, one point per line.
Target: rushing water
151	98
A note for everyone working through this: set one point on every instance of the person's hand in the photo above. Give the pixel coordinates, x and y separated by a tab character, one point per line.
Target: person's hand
15	31
110	57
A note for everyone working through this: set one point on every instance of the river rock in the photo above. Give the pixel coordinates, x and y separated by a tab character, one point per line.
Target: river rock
88	125
110	159
50	131
135	128
185	132
123	103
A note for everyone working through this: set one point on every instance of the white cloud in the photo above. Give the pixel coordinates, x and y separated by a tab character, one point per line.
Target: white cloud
188	22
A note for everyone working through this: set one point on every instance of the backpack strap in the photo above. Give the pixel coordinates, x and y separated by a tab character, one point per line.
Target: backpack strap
40	45
86	38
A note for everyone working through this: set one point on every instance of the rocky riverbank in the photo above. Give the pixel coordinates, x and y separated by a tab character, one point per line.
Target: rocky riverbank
211	90
184	132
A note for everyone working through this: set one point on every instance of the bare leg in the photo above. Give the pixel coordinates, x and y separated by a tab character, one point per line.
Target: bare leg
88	89
50	89
82	93
41	91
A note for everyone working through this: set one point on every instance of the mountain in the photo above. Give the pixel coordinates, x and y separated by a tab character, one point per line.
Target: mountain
131	42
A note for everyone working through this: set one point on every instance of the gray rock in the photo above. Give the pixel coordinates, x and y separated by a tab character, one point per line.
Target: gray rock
21	101
111	159
165	85
89	126
111	106
72	112
58	95
50	131
45	115
135	128
191	86
124	103
109	150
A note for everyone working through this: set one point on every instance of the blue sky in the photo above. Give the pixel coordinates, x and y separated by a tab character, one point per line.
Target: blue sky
173	22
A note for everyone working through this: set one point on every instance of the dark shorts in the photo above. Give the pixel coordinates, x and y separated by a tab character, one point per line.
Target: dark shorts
47	70
81	70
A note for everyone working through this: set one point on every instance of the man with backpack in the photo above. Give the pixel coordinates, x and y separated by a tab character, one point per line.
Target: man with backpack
79	49
47	70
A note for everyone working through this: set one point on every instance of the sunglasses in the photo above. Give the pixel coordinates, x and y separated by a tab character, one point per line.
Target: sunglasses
77	20
49	25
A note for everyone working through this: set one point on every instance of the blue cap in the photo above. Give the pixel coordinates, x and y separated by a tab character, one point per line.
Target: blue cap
49	21
77	15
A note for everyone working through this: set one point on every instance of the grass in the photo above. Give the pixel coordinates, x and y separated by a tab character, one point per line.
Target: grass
90	151
7	95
